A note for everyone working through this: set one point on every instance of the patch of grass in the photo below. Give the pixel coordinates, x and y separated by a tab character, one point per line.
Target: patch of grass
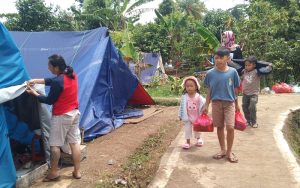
292	131
140	168
161	91
164	91
141	155
143	164
167	101
137	167
106	181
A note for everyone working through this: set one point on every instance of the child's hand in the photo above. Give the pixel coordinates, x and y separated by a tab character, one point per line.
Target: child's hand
237	108
205	109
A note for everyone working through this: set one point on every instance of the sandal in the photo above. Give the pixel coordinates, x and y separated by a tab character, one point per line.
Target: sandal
186	146
255	125
200	142
219	156
47	179
233	158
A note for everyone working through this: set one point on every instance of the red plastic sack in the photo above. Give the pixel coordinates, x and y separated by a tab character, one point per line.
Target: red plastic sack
282	88
240	122
203	123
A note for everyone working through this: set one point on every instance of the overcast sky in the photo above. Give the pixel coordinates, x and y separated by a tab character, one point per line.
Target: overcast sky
8	6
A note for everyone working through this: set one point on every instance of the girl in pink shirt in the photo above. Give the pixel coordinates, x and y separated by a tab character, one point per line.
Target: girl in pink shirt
191	105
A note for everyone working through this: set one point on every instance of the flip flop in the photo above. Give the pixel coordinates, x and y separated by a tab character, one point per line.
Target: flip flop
46	179
233	159
75	177
200	142
186	146
219	156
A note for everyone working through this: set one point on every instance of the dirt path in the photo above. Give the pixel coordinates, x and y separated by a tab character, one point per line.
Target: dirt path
261	161
116	146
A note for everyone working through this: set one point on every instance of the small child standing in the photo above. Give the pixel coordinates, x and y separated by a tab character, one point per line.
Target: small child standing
251	88
191	105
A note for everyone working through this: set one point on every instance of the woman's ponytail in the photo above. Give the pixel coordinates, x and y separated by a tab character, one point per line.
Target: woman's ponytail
69	72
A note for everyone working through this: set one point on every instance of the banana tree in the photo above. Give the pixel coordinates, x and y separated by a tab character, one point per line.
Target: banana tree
113	14
209	38
173	24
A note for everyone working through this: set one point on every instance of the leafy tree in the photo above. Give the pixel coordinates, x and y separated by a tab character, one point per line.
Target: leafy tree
277	3
239	12
264	23
151	38
218	21
266	35
63	21
110	13
166	7
32	15
173	24
195	8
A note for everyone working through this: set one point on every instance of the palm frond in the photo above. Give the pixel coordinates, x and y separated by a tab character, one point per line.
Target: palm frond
181	22
124	7
161	18
138	3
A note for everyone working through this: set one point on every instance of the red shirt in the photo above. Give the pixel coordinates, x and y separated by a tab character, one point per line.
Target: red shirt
68	99
63	94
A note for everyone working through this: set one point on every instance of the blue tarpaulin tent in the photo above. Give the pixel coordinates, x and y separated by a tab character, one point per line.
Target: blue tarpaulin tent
153	67
12	73
150	66
106	85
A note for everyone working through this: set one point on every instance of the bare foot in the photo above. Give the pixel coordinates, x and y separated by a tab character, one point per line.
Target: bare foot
76	175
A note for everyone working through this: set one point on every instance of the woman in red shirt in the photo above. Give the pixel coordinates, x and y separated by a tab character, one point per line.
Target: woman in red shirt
63	95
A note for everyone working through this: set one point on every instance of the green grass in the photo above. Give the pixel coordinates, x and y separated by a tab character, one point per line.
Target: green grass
141	155
163	95
167	101
161	91
293	133
135	168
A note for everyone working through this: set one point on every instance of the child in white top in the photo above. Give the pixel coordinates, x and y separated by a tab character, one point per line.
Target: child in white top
191	105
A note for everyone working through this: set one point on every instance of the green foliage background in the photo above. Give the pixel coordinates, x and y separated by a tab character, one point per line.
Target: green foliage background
269	29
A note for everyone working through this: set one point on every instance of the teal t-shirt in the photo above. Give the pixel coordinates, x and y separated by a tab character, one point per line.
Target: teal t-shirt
222	84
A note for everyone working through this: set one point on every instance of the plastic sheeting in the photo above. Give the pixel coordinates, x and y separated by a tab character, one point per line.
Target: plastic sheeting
12	92
151	65
13	76
12	73
105	81
7	167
